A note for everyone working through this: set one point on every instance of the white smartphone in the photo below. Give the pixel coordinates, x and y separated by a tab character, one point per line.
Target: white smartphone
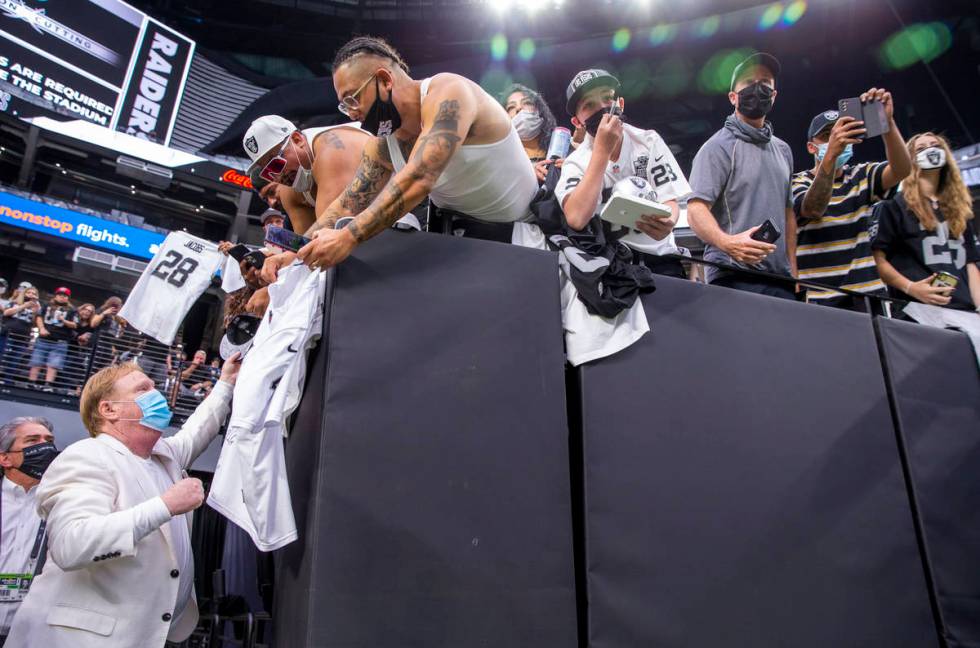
625	211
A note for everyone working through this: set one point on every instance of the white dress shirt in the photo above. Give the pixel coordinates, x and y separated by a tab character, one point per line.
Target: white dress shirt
19	524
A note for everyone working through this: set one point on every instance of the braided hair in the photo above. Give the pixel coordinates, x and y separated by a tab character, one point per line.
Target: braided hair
549	123
368	45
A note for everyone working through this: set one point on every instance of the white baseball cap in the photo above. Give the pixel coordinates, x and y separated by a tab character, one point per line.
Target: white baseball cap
264	134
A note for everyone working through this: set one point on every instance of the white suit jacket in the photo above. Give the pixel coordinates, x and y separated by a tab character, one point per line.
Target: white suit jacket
99	588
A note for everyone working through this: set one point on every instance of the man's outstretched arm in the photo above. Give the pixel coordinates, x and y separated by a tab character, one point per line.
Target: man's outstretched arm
447	115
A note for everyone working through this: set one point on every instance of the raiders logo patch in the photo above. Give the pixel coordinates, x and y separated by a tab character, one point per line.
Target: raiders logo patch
933	157
251	145
582	77
639	183
831	115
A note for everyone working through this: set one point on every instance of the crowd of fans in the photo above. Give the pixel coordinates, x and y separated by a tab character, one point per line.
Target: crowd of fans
901	227
52	345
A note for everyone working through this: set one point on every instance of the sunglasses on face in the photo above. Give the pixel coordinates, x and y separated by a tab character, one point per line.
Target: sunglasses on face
274	167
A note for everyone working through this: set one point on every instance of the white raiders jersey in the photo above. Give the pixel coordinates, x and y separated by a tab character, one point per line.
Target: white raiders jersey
644	154
250	487
178	274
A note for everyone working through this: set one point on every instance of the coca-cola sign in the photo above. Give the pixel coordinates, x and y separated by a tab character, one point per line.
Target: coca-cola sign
236	178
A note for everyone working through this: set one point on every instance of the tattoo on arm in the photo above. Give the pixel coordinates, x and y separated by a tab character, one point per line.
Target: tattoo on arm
433	151
333	140
371	175
818	195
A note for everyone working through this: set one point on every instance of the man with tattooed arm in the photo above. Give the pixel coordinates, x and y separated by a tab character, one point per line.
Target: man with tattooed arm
441	137
301	171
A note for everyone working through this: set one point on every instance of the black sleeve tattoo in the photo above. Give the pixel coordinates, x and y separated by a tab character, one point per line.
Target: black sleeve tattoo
817	197
433	151
371	175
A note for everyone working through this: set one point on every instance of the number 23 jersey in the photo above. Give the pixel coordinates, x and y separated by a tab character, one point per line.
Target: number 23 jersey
179	273
644	154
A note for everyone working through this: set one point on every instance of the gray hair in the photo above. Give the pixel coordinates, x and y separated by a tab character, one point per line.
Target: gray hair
8	431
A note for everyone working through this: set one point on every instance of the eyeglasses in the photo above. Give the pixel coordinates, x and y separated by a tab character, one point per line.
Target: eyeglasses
350	102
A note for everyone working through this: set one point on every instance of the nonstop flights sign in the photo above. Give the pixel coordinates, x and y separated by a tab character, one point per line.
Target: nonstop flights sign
98	60
78	227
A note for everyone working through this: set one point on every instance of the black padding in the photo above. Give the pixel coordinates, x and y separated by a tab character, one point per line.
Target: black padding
429	469
743	485
937	386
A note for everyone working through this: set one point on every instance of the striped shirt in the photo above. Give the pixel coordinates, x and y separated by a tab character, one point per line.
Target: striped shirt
835	249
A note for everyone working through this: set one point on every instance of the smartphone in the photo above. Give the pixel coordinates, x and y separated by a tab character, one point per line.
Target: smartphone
767	233
238	252
943	278
285	239
614	109
871	113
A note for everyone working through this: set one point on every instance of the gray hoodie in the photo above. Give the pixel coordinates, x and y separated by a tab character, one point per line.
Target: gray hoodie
745	174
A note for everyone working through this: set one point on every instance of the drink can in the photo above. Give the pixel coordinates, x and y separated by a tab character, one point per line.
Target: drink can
561	141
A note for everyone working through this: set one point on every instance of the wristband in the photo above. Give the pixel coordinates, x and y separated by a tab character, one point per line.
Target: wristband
908	287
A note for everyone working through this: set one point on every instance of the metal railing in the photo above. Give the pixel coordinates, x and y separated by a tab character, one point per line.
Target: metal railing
27	361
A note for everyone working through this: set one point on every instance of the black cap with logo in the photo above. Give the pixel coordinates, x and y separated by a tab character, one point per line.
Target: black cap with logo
820	122
583	82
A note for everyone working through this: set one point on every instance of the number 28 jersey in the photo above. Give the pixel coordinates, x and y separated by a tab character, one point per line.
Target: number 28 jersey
644	154
179	273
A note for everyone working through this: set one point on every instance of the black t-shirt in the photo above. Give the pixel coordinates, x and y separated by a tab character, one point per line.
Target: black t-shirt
918	253
55	317
21	322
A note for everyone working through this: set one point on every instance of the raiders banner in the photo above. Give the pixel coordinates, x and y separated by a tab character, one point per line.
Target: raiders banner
98	60
155	85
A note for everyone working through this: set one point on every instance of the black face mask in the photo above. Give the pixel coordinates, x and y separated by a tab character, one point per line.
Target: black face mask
37	458
755	101
383	118
592	123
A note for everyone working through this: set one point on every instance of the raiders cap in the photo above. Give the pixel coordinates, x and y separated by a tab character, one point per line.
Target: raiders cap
767	61
264	134
239	334
583	82
820	122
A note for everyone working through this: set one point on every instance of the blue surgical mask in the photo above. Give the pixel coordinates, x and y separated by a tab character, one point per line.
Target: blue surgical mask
156	412
841	159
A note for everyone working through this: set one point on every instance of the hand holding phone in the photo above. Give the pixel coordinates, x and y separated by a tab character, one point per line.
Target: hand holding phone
285	239
767	233
744	248
872	113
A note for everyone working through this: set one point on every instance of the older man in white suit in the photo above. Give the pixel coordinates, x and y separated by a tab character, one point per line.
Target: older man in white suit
120	571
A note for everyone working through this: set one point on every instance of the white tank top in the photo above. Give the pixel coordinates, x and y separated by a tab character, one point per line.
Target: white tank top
310	134
490	182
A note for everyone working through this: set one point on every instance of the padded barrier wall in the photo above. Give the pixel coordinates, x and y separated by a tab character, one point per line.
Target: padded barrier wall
936	384
742	482
737	477
429	466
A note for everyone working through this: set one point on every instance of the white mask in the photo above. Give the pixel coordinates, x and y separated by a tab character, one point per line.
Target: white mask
303	181
933	157
528	124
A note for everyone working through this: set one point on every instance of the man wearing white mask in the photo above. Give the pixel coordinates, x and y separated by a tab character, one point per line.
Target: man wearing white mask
312	166
120	572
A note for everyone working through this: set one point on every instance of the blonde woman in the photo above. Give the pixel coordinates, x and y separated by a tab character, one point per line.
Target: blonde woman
927	232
